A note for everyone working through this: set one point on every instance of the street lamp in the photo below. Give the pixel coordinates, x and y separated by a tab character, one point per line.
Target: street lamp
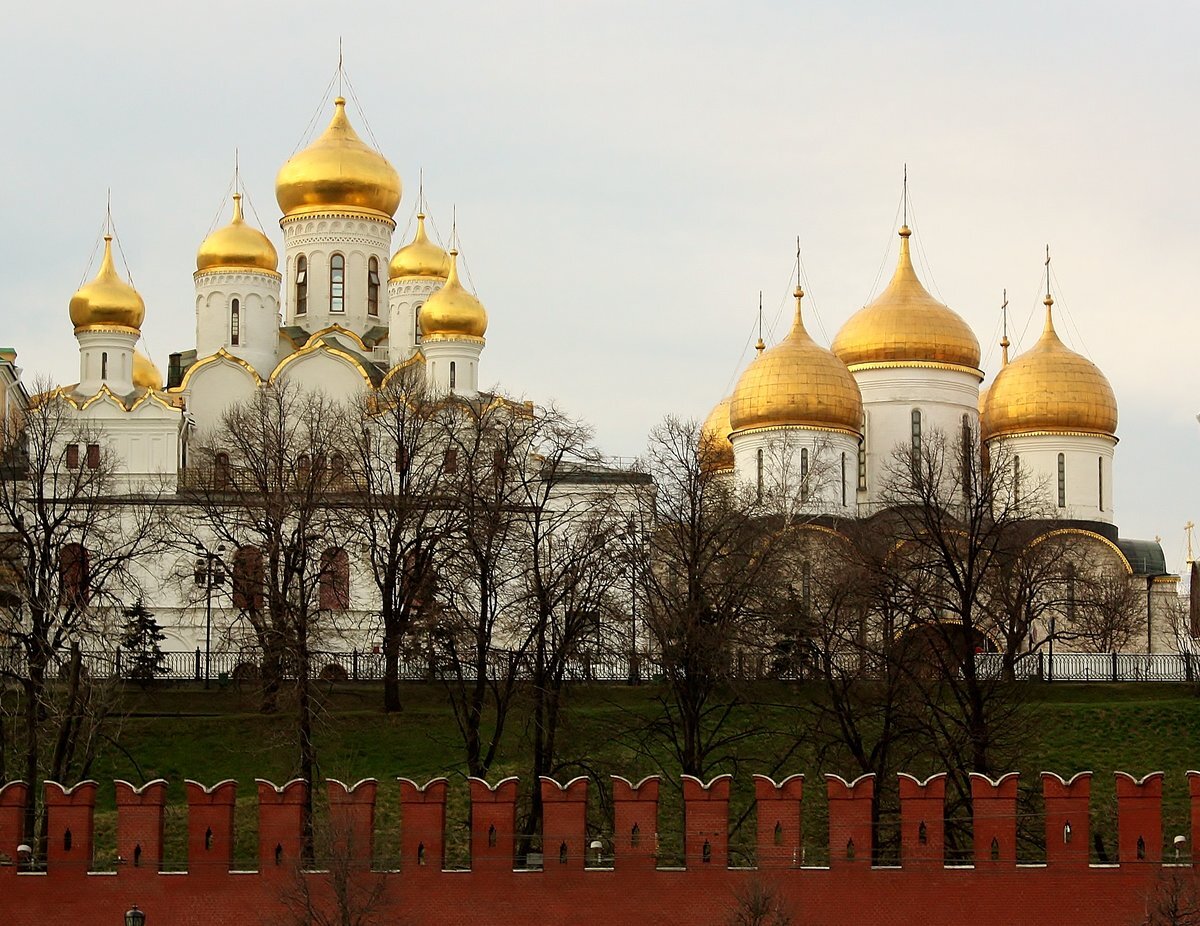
209	572
135	917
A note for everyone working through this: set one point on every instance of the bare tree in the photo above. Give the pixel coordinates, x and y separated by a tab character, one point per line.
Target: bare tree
759	904
75	534
345	892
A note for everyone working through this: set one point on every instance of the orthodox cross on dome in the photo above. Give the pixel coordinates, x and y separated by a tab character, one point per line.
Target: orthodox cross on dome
761	345
905	195
1004	342
1047	271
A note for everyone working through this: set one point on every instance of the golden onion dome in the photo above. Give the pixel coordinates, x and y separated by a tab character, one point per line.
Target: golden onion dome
716	452
107	299
237	246
452	312
338	171
905	324
145	373
797	383
420	257
1050	388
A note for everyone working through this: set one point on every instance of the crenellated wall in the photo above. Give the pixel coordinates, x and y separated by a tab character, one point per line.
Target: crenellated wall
577	885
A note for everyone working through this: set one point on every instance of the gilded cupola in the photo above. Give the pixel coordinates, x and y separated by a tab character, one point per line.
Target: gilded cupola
237	246
906	325
107	300
145	374
797	383
452	312
419	258
1050	388
338	172
716	451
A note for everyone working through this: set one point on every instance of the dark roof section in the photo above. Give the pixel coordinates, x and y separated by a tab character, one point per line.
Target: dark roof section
1145	556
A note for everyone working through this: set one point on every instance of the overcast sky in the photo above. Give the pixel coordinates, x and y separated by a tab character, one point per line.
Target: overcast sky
628	176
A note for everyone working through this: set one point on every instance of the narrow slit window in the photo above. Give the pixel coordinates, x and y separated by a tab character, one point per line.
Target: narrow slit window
373	286
759	475
235	323
417	321
104	365
967	455
337	283
301	285
453	375
1100	482
803	474
1062	481
843	480
916	443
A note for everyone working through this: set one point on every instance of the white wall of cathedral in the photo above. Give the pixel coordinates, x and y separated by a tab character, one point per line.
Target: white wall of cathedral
320	370
358	241
815	468
106	359
1067	476
238	310
405	298
212	388
890	398
452	366
135	445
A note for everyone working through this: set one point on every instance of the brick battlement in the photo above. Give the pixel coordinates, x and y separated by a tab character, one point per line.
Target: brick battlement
621	882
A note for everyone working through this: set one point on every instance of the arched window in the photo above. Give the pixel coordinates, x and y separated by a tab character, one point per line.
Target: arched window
759	474
1062	481
803	474
453	375
916	433
968	449
1071	593
451	460
417	321
303	468
402	462
1016	478
843	480
301	285
104	364
248	579
806	586
74	574
337	283
1100	481
337	467
221	472
373	286
335	580
235	323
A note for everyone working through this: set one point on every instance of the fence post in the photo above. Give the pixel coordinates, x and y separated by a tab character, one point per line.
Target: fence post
1041	666
117	665
1187	669
1114	667
197	663
355	662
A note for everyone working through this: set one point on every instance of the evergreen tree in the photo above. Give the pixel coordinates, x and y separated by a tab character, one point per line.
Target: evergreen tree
142	645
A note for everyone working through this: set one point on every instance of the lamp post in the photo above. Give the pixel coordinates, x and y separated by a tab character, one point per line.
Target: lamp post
135	917
209	572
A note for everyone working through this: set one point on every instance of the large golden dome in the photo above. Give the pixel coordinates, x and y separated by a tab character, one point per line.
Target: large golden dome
905	324
338	171
145	373
797	383
237	246
107	300
1050	388
452	312
420	257
716	452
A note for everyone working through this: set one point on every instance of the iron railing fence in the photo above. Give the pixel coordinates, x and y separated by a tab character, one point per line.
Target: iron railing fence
603	666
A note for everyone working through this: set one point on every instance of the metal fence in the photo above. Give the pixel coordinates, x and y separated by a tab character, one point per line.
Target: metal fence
1097	667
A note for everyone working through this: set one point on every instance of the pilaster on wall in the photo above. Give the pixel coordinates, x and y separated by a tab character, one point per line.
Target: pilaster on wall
210	827
1139	818
780	834
706	822
635	823
280	824
423	825
140	827
850	831
352	819
13	798
493	823
1068	825
564	824
994	807
922	820
69	827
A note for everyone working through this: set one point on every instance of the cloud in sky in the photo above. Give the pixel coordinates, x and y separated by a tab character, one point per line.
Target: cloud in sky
628	176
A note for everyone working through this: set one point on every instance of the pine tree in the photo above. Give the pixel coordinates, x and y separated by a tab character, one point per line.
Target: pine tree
141	644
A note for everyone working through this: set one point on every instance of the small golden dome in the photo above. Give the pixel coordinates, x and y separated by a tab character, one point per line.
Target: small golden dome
420	257
452	312
237	245
1050	388
716	452
797	383
905	324
338	171
107	299
145	373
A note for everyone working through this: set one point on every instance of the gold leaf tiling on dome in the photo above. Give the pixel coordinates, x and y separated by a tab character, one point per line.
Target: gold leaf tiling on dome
906	324
107	299
338	171
419	258
715	447
452	312
237	246
1050	388
145	374
797	383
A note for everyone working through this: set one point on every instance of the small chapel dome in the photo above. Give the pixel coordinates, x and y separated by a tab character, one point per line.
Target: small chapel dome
1050	388
716	451
452	312
338	171
145	374
905	324
797	383
107	299
237	246
420	257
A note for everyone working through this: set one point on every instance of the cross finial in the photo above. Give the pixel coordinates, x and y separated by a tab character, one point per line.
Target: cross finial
760	346
237	172
1004	342
1047	270
905	222
454	225
340	68
421	190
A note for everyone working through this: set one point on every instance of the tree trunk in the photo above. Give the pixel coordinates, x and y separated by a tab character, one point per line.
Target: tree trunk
304	735
391	665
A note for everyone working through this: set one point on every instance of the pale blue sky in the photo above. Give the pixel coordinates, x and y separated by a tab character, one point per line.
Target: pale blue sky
628	176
